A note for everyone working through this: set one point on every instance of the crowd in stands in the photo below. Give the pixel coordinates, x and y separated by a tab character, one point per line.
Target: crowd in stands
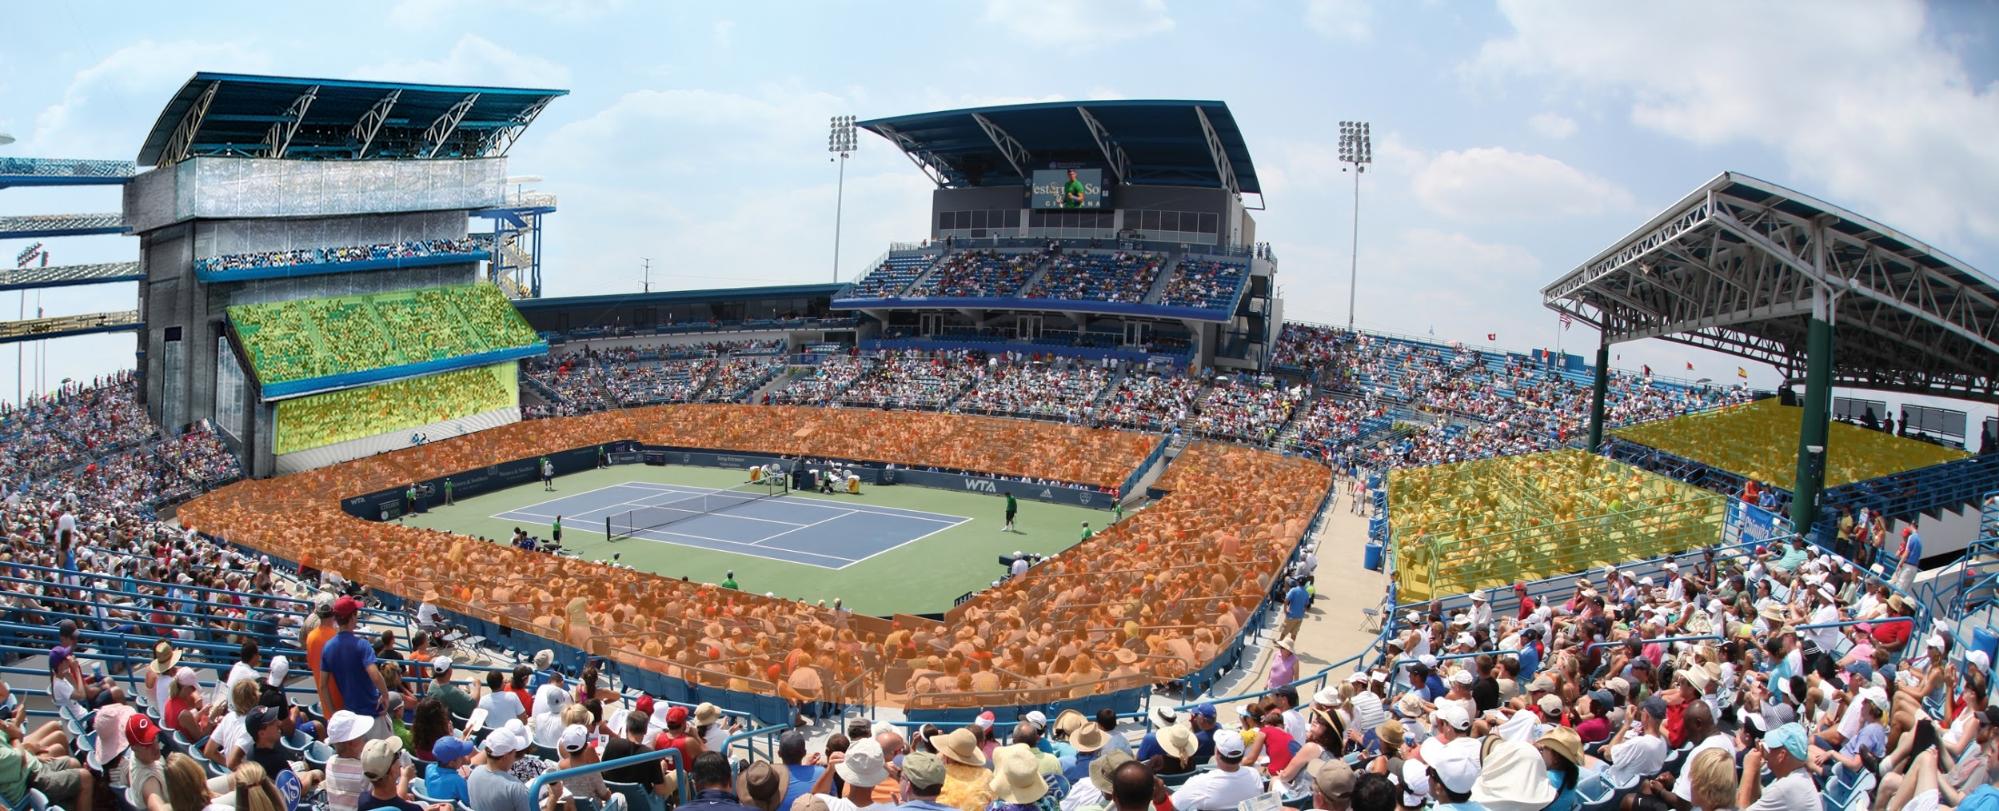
71	425
321	256
150	474
978	273
1058	388
1330	421
593	382
308	338
894	275
324	419
1246	410
1121	276
823	382
1150	401
1208	283
915	380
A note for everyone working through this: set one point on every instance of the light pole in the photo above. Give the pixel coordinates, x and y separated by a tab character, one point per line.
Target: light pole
1358	151
645	286
842	140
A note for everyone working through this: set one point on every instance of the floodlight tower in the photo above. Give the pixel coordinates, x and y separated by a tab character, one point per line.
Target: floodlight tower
842	140
1356	150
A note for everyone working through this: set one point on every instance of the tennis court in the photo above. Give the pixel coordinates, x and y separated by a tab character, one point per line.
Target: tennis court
815	530
866	542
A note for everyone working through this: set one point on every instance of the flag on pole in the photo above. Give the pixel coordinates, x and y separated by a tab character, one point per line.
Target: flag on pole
1492	336
1742	373
1690	366
1647	367
1566	320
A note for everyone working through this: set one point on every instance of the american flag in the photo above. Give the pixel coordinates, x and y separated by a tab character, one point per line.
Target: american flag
1566	320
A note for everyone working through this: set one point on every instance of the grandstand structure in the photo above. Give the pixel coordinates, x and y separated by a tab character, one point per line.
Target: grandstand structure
1155	257
31	269
1829	297
306	237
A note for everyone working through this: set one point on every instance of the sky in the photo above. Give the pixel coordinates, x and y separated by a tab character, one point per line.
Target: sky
1512	140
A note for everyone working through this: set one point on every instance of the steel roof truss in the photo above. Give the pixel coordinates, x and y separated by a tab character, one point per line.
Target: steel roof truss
182	141
440	130
371	122
1218	151
1113	151
279	137
1009	146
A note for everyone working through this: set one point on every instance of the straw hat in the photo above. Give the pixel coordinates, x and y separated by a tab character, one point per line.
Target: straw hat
1089	738
165	658
1068	721
1391	734
1017	775
961	747
1178	741
1103	767
762	786
1564	742
706	714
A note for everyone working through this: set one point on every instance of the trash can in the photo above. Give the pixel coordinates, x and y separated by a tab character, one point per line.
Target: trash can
1371	557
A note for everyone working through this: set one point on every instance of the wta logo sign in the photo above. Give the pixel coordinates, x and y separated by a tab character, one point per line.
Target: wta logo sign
981	486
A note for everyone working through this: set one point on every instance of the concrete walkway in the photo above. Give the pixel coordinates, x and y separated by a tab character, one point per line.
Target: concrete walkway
1336	627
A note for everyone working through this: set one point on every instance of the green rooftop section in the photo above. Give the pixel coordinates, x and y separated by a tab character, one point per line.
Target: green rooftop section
306	339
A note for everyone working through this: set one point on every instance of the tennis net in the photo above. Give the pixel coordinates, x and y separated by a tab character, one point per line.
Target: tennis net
632	522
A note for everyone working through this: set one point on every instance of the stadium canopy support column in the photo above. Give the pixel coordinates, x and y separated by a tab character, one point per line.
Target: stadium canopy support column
1812	428
1599	389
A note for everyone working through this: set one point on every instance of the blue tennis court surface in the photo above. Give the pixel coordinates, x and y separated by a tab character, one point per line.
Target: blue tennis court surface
795	528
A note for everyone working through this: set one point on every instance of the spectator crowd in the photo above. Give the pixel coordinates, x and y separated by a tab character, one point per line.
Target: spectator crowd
327	256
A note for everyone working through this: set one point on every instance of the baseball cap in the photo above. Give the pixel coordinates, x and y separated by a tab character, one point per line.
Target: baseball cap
260	716
1335	779
643	704
1206	711
1415	783
345	608
1789	737
345	726
573	738
186	677
448	749
1454	714
1550	704
1458	772
141	731
1228	743
1979	659
1036	718
676	715
379	757
923	769
502	742
441	665
984	721
1462	677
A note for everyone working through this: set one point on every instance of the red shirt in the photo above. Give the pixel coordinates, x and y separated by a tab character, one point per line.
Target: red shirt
1890	634
668	740
1277	744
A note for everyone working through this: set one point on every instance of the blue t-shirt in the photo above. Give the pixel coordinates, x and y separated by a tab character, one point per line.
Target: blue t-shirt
349	659
1915	557
1530	661
445	784
802	778
1149	747
1296	601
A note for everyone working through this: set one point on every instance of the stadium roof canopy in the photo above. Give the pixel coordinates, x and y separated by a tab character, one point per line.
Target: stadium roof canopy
1736	265
336	119
1163	143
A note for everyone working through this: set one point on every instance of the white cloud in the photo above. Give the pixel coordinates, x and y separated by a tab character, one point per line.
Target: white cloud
473	60
1080	22
1495	183
108	107
1858	98
1553	125
1348	20
1469	287
725	33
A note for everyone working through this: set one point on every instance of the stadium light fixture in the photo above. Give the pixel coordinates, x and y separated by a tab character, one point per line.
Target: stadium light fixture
1357	151
842	140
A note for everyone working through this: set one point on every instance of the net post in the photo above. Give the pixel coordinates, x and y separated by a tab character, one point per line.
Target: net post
607	528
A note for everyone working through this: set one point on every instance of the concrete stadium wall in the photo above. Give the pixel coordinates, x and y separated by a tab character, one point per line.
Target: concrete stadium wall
228	188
